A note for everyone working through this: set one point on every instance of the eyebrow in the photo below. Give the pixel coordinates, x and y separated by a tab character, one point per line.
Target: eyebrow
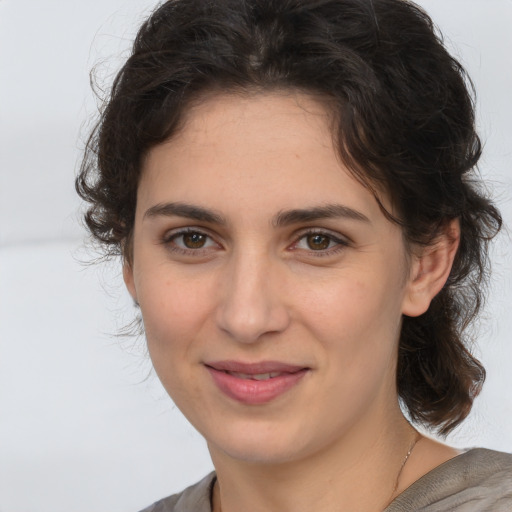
283	218
188	211
329	211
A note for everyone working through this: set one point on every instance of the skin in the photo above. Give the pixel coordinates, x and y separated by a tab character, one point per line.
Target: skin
250	283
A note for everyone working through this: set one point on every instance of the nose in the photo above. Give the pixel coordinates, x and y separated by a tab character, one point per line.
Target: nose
250	302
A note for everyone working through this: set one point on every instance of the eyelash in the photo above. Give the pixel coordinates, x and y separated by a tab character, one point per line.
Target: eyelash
169	241
340	243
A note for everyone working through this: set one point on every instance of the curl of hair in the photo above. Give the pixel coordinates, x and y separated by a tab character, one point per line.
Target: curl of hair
404	123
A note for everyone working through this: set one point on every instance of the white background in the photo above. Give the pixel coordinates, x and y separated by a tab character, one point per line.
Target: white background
81	427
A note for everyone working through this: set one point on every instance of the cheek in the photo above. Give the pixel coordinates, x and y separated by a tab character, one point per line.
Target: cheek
351	304
170	323
174	312
358	323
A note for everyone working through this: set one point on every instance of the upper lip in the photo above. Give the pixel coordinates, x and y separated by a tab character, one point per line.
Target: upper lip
254	368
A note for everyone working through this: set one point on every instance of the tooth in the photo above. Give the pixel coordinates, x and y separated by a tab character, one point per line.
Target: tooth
240	375
261	376
255	376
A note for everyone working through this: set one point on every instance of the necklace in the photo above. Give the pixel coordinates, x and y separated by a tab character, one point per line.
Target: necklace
417	437
392	496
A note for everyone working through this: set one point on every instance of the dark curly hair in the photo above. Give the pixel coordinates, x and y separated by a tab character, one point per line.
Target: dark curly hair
404	122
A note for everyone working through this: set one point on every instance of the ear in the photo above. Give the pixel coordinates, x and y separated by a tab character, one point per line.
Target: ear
129	280
430	270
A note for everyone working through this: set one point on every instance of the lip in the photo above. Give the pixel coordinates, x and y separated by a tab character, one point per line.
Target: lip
247	390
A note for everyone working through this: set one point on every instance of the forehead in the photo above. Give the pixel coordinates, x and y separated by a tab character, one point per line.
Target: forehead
262	149
266	121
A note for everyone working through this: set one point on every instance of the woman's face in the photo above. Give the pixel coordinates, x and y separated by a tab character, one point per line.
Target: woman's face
270	283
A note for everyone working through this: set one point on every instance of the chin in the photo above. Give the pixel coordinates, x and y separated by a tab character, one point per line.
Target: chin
257	454
260	446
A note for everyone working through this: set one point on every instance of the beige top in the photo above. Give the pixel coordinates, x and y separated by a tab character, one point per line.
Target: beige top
479	480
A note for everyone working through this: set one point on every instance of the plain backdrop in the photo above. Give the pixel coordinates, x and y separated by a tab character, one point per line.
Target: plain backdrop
84	424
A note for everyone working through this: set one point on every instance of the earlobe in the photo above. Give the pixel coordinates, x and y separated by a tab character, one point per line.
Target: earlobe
129	281
430	270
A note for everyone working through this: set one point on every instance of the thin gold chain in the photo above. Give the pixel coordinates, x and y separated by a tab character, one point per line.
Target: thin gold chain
392	496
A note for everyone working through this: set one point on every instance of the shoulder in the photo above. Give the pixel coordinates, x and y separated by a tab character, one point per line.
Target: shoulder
477	480
195	498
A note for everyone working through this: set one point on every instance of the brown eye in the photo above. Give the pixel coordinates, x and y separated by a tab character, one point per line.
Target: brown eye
321	243
318	242
194	240
190	242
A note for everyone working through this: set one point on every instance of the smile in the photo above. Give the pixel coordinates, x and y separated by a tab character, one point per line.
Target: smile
257	376
257	383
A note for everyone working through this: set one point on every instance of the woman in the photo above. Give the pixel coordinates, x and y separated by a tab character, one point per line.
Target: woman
289	184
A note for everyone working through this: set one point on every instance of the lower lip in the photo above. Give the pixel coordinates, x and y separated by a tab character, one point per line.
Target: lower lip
254	392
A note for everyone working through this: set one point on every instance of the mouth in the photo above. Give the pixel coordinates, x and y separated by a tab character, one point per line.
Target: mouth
256	376
255	383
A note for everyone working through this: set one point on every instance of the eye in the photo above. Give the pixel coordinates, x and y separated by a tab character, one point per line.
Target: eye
189	241
194	240
317	242
320	242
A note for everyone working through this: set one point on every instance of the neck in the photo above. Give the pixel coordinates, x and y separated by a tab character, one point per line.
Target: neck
349	474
